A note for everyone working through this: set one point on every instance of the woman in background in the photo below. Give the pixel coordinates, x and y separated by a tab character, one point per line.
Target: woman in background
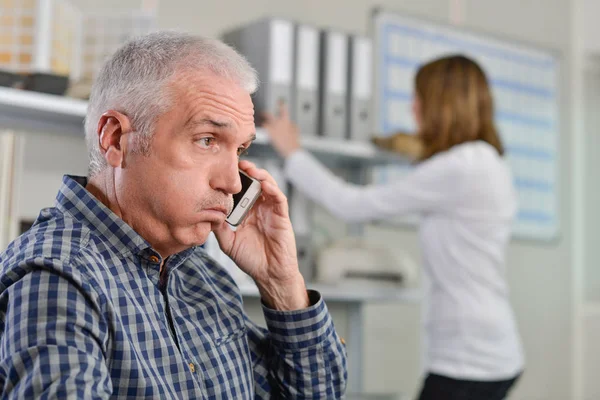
463	191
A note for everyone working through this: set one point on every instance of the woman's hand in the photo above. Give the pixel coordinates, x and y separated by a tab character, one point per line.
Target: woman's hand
402	143
284	134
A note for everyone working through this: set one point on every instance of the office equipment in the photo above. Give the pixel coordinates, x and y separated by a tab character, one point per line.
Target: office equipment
46	83
305	103
301	216
525	85
360	59
11	79
333	84
268	45
352	261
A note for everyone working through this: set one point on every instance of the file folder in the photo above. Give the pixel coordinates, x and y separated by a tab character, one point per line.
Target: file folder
359	87
268	45
306	80
333	84
301	209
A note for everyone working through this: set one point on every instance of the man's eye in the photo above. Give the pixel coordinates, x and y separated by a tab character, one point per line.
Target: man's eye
242	151
206	142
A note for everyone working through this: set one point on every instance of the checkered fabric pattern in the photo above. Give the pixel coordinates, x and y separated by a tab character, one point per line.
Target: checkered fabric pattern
82	315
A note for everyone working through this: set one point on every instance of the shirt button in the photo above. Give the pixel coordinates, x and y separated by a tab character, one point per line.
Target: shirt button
154	259
192	367
343	341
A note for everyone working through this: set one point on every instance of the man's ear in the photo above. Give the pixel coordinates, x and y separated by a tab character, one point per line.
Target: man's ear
113	127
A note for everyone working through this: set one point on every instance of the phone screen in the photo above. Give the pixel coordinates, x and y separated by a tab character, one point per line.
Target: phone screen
243	201
246	182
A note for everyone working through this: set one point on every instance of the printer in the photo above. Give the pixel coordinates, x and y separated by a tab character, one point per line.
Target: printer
354	261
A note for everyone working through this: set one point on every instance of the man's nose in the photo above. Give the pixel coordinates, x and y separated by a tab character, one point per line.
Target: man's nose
226	177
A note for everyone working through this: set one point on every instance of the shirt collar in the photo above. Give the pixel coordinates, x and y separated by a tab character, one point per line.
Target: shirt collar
76	200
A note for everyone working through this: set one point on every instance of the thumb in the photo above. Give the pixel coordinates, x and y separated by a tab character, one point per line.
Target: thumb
225	236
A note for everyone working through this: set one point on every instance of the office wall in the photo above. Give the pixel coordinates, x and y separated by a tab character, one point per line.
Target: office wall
46	158
592	195
591	31
591	274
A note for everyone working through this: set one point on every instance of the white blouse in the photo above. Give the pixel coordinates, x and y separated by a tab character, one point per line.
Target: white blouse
466	201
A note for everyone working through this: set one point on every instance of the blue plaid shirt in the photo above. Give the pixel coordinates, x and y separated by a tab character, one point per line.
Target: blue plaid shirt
83	315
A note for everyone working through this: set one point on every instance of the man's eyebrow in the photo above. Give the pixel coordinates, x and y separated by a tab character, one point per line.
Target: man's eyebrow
220	124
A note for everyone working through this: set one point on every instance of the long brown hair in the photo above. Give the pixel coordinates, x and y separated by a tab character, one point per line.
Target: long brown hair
456	105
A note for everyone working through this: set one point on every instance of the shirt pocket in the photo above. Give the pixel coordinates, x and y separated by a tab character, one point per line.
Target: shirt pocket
226	364
229	336
217	338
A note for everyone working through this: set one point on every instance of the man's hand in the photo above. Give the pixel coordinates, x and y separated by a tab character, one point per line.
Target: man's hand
264	247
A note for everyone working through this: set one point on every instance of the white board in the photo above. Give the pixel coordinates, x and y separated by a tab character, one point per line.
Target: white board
524	82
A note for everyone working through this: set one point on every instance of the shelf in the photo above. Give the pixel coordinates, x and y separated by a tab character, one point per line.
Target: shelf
39	112
348	294
32	111
336	152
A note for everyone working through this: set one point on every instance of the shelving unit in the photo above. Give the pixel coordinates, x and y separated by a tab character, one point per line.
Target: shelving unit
28	111
345	293
37	112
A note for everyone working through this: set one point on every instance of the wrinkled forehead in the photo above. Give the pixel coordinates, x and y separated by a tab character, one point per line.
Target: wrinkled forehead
206	96
193	81
193	86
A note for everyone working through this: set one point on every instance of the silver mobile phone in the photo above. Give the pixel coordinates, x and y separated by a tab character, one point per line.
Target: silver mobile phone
244	200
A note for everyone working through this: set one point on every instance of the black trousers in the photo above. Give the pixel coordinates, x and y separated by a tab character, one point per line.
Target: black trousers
437	387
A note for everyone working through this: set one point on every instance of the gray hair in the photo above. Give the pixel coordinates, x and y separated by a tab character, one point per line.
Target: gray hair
134	82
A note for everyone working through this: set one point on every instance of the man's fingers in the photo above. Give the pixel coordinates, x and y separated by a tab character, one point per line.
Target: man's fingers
257	173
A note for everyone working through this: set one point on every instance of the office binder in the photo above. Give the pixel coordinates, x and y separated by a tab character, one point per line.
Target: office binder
359	87
333	84
306	79
268	45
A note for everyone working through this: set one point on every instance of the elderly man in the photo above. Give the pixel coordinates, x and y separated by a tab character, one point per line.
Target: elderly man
109	294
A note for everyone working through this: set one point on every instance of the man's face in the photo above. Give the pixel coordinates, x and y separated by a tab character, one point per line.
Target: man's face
185	184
